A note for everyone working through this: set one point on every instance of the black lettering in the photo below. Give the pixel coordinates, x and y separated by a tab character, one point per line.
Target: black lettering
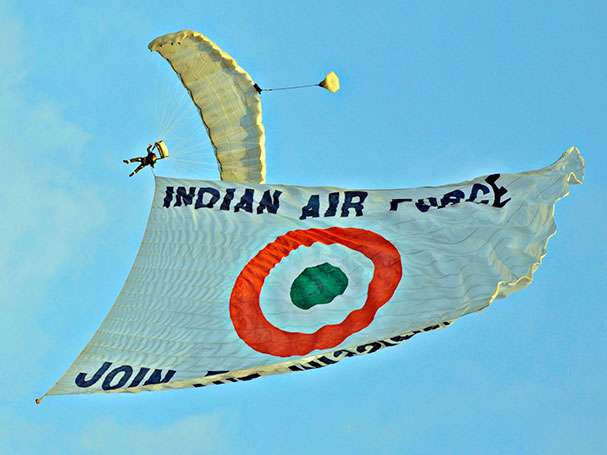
312	208
326	360
200	200
368	348
227	199
184	197
350	204
126	371
269	203
474	193
387	344
498	192
423	207
81	380
394	203
168	196
452	197
246	201
333	202
401	338
305	366
249	377
432	327
137	380
156	377
213	373
343	353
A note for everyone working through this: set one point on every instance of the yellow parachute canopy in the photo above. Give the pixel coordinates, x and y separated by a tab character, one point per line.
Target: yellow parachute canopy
227	99
330	82
162	148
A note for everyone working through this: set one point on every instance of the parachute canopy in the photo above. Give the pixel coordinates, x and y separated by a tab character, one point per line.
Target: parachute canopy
162	148
330	82
226	97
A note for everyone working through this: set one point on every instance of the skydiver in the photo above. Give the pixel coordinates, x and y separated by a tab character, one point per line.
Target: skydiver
148	160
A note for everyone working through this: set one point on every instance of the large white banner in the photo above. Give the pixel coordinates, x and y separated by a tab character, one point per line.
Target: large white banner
234	281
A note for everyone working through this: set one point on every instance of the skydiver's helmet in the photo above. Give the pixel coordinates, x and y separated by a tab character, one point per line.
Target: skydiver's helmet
163	150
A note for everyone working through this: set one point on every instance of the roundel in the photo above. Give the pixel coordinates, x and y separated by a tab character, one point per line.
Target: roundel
254	328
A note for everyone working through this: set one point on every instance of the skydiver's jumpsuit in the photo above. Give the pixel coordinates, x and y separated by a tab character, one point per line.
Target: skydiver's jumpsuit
148	160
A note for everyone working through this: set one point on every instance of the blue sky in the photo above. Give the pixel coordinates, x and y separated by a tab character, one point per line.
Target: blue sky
432	93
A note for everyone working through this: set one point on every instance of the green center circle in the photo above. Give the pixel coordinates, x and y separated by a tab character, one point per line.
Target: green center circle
318	285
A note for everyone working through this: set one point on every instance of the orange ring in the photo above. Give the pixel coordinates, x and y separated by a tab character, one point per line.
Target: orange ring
255	330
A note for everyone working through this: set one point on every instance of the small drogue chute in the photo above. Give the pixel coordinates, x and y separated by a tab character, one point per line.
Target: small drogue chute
227	99
330	83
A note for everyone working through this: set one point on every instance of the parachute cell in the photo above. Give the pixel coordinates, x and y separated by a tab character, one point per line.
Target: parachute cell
226	98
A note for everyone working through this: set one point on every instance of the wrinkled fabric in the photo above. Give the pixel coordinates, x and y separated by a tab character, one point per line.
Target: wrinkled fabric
234	281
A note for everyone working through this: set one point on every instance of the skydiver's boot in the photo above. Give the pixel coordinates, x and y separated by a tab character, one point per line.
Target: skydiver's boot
125	161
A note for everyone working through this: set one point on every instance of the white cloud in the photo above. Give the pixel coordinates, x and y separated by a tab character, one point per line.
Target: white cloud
49	213
197	434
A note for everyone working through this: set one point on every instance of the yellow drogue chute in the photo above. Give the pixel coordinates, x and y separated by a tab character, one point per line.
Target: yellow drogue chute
330	82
